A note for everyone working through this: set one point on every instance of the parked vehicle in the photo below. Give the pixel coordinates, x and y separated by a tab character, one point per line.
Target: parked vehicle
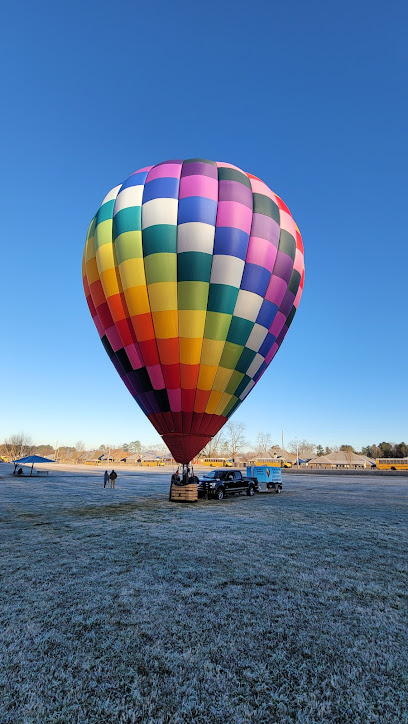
222	482
391	463
278	462
217	462
269	477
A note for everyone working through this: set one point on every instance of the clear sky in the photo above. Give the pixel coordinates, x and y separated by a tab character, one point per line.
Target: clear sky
311	97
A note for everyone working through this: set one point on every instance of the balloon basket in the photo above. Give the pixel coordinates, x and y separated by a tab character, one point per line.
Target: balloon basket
184	486
184	493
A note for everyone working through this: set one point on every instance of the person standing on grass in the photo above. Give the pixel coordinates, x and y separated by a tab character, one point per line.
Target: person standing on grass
105	478
113	477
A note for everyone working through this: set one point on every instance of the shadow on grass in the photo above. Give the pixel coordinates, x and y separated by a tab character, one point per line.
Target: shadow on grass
155	504
117	509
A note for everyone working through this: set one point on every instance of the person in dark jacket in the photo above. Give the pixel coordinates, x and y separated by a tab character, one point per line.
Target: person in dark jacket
113	477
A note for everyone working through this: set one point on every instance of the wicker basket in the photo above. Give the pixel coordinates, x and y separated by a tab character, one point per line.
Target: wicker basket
184	493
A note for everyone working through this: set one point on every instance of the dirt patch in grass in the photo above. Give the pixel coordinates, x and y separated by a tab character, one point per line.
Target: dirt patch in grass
118	606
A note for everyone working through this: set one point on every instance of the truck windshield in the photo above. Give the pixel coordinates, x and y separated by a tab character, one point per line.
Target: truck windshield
210	475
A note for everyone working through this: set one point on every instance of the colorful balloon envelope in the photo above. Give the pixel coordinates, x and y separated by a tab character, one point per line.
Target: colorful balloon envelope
193	271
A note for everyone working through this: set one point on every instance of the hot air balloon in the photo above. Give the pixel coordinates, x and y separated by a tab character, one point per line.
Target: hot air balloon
193	271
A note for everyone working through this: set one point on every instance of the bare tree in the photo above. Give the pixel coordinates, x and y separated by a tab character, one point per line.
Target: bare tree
149	451
79	450
348	452
263	444
109	448
163	451
234	438
18	446
349	456
216	444
305	448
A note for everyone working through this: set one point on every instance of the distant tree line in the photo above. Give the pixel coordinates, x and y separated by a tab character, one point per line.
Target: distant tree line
230	443
386	450
21	445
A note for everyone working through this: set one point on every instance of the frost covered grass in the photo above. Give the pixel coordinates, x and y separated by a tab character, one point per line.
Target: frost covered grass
118	606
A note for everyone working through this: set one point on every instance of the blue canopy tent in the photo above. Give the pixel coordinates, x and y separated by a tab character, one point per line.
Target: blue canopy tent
31	459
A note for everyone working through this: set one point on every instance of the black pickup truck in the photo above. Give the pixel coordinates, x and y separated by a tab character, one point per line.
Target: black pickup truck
221	482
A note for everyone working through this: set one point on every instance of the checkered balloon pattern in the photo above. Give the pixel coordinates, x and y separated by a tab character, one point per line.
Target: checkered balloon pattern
193	272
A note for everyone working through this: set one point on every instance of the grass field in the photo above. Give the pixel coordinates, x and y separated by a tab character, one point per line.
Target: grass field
118	606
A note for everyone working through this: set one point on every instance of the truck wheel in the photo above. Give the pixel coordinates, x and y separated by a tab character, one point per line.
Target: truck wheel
277	489
251	490
220	495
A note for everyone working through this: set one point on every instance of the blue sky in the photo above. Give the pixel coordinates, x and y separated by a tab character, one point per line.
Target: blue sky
309	97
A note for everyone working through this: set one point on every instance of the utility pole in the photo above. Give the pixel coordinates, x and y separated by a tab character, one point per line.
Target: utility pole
282	442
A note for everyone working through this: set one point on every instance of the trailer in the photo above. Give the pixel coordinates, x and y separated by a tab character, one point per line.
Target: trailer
269	477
